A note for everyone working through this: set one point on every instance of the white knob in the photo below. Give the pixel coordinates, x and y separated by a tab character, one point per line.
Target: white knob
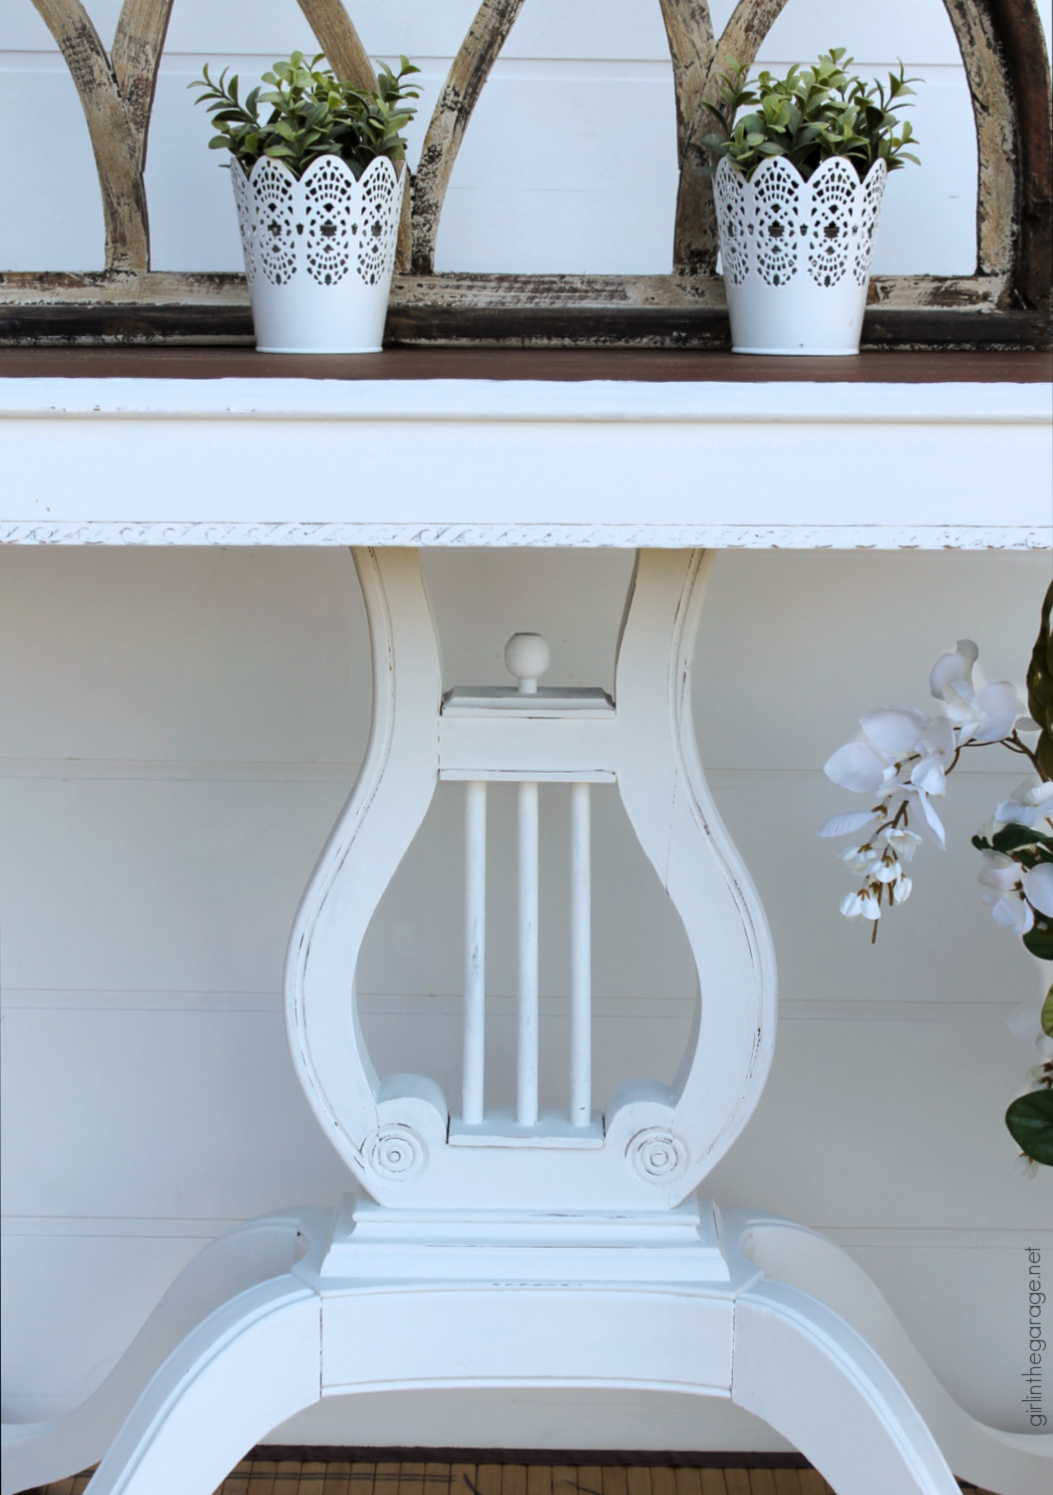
527	657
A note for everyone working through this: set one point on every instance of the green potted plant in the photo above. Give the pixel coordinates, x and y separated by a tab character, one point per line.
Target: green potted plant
798	186
315	165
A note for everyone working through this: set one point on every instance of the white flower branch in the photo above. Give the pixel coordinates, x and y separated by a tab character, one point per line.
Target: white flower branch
905	759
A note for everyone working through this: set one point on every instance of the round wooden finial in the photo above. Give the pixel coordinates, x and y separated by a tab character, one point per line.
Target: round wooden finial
527	657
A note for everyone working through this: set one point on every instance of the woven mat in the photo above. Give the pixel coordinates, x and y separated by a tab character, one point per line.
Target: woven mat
260	1476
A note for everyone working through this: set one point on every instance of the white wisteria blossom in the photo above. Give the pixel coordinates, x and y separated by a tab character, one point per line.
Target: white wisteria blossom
903	762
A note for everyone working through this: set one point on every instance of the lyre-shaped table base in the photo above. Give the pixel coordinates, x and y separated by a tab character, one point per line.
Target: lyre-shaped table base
530	1248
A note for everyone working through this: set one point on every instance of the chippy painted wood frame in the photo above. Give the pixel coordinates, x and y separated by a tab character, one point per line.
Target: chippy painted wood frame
1005	303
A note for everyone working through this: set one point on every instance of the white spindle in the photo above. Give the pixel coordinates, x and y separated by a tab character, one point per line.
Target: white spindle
527	1059
580	956
474	951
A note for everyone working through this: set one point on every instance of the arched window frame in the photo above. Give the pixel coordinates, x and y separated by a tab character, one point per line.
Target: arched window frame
1005	303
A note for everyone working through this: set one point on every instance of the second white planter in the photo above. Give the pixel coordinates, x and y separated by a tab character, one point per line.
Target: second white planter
319	253
797	254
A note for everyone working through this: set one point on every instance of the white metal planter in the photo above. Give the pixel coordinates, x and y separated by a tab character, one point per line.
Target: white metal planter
319	253
797	254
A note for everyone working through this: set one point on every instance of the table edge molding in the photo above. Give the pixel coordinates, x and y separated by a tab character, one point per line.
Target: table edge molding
538	536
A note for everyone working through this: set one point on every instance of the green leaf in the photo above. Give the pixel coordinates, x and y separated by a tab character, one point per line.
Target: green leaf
1040	687
1012	837
1039	941
312	113
1030	1123
1047	1014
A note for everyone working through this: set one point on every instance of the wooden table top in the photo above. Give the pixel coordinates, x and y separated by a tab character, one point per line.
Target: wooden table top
571	364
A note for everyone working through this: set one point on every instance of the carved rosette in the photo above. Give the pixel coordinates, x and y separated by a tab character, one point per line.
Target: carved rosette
658	1155
396	1153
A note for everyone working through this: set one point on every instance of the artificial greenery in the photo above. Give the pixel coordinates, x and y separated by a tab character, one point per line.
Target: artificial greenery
1040	689
1030	1117
810	115
1030	1123
312	114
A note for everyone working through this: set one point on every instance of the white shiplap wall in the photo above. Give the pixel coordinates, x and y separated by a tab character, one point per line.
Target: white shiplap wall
179	730
569	162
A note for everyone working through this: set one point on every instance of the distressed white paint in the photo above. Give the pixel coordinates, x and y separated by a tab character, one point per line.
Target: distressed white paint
797	1361
473	1085
771	814
152	763
527	947
580	954
724	1331
574	461
658	1142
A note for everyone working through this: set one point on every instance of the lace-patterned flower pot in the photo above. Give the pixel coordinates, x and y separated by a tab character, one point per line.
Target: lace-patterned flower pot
319	253
797	254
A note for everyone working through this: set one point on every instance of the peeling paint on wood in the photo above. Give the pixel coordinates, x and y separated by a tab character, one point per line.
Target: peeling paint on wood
695	242
894	292
470	69
995	134
117	98
350	62
340	42
1027	63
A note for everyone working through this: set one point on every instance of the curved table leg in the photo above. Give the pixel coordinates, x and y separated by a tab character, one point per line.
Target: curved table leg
794	1257
37	1453
801	1368
249	1366
829	1380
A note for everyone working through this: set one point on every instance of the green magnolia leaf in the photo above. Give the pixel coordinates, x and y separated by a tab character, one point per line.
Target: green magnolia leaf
1011	837
1047	1014
1040	687
1039	941
1030	1123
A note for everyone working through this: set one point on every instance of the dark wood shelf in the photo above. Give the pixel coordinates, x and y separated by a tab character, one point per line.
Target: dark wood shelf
571	364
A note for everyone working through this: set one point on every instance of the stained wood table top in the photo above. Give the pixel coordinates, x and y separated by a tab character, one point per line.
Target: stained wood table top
572	365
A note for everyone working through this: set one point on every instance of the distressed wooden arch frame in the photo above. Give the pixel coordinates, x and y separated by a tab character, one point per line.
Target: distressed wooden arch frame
1005	303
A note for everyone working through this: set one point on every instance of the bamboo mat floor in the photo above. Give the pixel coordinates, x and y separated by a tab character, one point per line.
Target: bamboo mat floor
258	1476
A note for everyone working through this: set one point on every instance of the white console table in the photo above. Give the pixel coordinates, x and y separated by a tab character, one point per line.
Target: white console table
475	1246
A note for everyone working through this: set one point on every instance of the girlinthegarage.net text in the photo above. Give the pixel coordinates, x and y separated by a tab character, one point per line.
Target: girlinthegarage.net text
1036	1298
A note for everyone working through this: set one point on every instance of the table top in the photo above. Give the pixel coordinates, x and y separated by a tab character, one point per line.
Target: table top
645	365
454	447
